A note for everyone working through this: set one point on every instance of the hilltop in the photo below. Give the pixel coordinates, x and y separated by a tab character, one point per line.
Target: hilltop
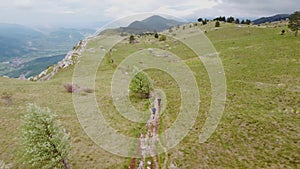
279	17
151	24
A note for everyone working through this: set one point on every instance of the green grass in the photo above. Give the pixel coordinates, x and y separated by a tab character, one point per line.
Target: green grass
259	128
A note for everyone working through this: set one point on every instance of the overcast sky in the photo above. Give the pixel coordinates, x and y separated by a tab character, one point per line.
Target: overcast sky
84	12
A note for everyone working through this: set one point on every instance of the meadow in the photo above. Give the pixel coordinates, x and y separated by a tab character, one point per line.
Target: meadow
259	127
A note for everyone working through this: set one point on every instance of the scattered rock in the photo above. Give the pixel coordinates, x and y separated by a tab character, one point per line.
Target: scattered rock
150	50
22	77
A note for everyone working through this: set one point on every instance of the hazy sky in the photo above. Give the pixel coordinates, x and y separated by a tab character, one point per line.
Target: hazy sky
84	12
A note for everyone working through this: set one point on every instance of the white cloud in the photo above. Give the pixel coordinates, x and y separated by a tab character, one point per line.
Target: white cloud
57	12
68	12
172	7
23	4
251	8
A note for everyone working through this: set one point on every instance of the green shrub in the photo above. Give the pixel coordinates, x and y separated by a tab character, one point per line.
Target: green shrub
141	85
163	38
131	39
44	142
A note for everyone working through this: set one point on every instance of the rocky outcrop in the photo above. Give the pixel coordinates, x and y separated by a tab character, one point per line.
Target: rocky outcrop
71	58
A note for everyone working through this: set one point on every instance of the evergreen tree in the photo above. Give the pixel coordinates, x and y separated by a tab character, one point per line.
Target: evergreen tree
217	24
131	39
230	19
44	141
204	22
141	85
248	22
294	23
221	18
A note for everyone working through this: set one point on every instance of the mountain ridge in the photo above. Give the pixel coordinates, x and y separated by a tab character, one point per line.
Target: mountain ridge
150	24
274	18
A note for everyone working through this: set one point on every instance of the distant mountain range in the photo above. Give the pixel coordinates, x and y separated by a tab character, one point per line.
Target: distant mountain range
274	18
21	47
28	51
151	24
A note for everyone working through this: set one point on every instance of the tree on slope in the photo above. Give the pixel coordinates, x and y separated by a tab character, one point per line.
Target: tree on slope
217	24
141	85
131	39
294	23
44	141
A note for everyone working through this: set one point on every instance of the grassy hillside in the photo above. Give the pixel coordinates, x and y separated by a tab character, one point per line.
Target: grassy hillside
259	128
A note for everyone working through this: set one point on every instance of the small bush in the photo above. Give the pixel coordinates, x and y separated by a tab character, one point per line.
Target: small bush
163	38
71	88
131	39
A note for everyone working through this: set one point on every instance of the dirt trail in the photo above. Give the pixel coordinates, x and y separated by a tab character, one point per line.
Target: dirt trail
148	142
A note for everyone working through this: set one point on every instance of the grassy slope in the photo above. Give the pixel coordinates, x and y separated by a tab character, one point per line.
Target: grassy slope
259	128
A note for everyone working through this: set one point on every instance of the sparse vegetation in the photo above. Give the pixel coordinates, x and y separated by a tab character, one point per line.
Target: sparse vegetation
7	98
